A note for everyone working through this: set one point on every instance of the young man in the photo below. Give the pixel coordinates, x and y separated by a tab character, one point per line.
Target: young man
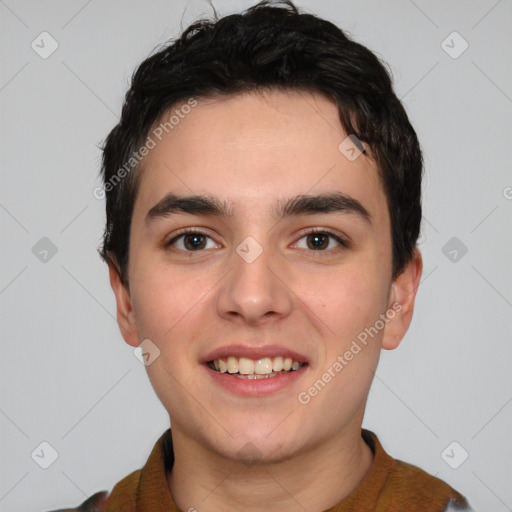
263	206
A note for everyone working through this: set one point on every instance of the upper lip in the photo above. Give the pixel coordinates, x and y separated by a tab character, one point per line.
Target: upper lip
255	352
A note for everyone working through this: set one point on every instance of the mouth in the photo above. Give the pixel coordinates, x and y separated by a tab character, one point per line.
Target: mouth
254	369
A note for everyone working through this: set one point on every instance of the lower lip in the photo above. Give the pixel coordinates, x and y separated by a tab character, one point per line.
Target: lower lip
255	387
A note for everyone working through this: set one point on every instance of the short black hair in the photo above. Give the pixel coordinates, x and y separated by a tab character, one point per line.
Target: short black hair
270	46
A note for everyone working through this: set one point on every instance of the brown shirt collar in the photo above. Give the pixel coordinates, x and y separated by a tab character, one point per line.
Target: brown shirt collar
389	485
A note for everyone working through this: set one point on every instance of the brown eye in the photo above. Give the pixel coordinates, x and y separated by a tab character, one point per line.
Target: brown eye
318	241
192	241
321	241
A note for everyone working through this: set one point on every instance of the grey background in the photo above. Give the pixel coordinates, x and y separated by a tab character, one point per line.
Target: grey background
67	376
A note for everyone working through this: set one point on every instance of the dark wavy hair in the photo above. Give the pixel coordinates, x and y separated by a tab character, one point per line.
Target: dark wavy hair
270	46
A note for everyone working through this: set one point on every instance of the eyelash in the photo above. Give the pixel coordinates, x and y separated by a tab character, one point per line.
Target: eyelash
343	243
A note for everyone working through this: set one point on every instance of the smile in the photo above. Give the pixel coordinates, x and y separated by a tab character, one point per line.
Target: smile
262	368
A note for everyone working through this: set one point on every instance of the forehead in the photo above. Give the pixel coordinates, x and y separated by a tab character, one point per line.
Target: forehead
252	148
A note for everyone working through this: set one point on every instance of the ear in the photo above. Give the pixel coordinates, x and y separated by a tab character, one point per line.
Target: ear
401	300
125	313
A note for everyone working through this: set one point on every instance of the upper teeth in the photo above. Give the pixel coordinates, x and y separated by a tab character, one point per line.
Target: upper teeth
263	366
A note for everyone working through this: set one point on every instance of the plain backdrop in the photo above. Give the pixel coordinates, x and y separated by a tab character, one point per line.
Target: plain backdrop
69	380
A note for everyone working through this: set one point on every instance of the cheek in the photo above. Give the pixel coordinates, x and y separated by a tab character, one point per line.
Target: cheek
163	299
170	307
347	298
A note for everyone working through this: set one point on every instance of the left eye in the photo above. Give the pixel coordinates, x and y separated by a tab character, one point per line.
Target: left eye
320	241
192	242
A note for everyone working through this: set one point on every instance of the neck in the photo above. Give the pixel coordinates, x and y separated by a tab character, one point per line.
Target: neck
313	480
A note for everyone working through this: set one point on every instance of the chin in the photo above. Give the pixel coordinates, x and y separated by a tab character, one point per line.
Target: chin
252	454
257	447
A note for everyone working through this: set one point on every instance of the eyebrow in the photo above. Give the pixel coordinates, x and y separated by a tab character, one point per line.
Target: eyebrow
335	202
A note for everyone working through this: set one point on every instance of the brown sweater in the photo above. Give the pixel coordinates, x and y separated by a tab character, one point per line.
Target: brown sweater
389	486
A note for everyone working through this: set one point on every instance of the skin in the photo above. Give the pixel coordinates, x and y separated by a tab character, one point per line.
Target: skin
252	150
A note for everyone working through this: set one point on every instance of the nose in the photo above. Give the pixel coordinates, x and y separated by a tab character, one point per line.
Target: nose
255	290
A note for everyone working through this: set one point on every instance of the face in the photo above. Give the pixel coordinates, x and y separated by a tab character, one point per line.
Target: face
257	280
